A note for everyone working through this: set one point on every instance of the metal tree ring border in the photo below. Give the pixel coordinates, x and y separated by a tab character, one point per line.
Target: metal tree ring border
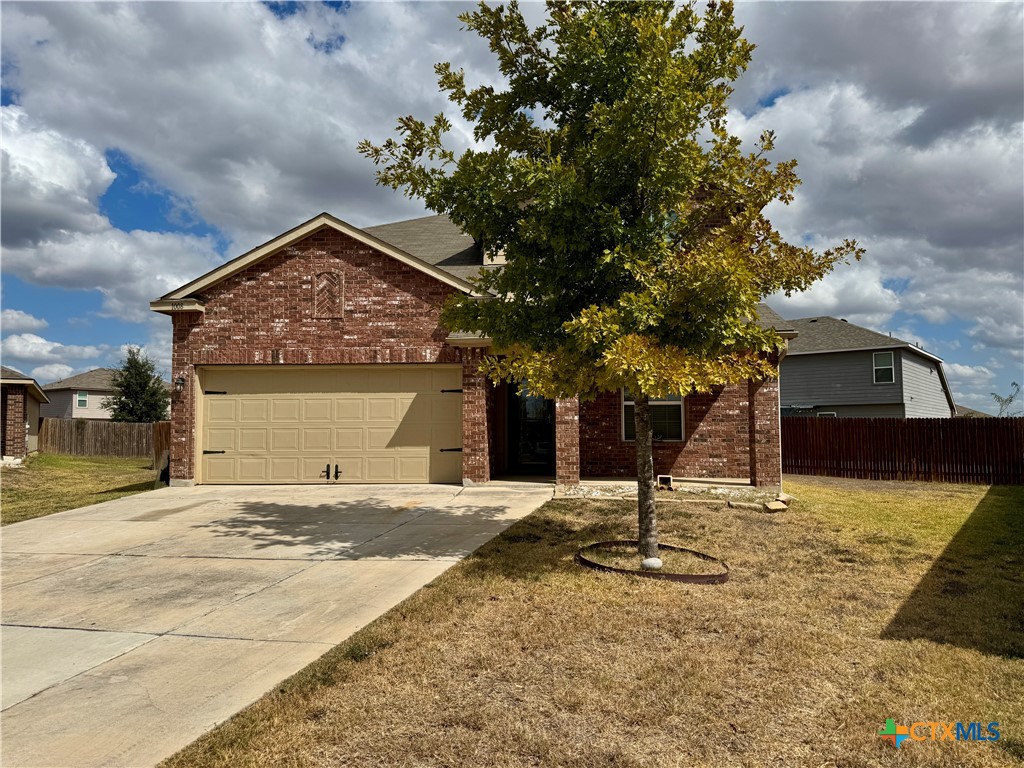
683	578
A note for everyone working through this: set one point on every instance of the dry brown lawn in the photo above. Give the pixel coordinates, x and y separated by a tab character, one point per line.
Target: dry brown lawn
50	482
865	601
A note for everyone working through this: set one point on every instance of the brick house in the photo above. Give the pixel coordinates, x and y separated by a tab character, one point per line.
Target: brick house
20	398
319	357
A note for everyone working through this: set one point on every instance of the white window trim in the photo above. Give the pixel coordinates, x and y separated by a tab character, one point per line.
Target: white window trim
78	399
831	414
623	402
876	367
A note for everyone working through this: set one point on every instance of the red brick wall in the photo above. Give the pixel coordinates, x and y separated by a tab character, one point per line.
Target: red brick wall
266	315
567	442
717	437
476	434
765	433
12	419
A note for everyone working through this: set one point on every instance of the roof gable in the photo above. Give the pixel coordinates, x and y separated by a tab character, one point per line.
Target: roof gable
13	376
302	231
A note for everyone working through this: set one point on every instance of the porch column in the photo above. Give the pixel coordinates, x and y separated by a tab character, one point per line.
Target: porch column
764	434
567	441
476	463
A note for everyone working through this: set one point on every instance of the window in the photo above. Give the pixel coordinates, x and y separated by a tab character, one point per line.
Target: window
884	373
827	414
83	399
666	417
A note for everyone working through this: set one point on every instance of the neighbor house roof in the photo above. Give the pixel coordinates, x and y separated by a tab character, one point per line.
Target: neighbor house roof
97	379
829	334
963	412
11	376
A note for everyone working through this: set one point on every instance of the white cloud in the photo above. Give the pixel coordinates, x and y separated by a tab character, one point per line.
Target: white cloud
51	183
45	374
37	350
16	321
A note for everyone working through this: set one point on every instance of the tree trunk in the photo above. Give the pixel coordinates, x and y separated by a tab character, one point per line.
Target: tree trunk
645	478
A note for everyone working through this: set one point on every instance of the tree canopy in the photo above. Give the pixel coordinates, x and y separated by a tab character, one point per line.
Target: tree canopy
140	395
629	219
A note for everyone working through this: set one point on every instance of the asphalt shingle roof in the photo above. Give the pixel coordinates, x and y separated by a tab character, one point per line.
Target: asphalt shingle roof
98	378
435	240
438	241
10	373
829	334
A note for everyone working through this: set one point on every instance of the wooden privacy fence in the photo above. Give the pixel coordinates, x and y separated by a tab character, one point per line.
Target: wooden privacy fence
944	450
82	437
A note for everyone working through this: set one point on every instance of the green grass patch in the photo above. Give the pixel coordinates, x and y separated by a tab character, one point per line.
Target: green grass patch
839	614
49	482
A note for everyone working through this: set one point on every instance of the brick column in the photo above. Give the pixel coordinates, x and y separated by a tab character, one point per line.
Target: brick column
183	404
567	441
476	462
764	434
14	437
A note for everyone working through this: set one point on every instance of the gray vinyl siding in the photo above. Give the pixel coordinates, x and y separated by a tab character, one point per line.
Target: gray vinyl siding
922	388
837	379
64	404
890	411
59	406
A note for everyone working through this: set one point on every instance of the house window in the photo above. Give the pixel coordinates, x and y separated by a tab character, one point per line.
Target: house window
83	399
827	415
666	417
884	373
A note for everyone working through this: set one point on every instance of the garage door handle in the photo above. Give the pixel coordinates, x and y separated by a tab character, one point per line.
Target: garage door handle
451	450
337	472
447	391
206	452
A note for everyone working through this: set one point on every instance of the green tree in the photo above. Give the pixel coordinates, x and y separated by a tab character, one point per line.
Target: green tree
140	395
630	219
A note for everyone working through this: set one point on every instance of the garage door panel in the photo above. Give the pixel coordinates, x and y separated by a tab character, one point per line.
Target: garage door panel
285	409
295	424
320	409
348	409
349	439
379	437
318	440
252	470
351	468
284	439
253	411
446	408
218	411
218	470
220	439
252	439
381	409
381	469
413	469
445	467
313	468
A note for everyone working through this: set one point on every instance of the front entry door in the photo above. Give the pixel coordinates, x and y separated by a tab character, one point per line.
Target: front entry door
531	432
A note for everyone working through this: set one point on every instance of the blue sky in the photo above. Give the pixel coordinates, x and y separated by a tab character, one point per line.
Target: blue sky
146	143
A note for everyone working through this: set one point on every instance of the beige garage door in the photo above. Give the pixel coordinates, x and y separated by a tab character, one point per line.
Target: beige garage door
352	424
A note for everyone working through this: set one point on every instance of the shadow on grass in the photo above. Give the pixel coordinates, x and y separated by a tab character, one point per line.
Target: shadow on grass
973	594
146	485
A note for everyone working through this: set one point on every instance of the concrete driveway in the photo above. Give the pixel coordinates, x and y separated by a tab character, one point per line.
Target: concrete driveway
132	627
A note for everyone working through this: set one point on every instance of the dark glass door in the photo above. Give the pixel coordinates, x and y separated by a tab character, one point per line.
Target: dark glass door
531	432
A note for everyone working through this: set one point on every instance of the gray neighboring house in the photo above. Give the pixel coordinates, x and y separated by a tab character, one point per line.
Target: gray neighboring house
81	396
836	368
